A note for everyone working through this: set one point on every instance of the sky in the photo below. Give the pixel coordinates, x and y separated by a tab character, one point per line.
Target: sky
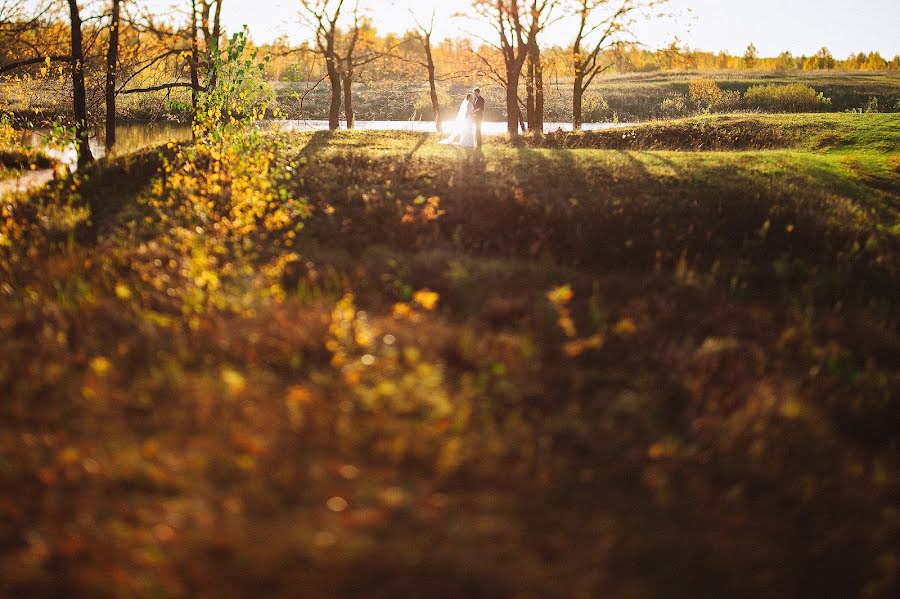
799	26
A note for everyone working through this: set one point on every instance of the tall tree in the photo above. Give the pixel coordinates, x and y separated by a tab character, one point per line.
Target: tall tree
508	22
541	16
79	96
423	36
751	56
602	24
112	65
323	17
357	48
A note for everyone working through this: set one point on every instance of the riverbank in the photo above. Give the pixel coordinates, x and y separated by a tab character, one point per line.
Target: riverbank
649	370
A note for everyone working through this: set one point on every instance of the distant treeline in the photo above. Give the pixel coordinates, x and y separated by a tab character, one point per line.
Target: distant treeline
454	59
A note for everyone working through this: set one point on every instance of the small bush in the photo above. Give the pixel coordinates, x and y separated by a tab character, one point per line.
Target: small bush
794	97
673	106
595	109
707	96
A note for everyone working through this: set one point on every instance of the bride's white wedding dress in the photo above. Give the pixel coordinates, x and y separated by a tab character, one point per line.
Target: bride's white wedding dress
464	127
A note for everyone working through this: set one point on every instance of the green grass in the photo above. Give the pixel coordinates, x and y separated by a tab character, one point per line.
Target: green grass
711	413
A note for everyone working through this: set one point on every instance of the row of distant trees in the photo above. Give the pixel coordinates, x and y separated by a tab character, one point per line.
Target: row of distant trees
821	60
107	49
347	49
133	50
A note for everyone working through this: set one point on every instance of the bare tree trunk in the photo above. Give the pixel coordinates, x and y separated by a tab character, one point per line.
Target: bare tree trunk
79	96
195	59
112	60
577	92
435	104
348	101
212	42
334	111
512	100
529	91
538	124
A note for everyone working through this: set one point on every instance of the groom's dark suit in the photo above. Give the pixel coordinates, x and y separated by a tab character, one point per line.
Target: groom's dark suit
479	117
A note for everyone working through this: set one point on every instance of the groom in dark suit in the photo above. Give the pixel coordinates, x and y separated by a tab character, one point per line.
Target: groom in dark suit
479	115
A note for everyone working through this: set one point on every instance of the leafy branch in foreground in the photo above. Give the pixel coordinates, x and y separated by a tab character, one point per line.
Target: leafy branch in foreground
220	198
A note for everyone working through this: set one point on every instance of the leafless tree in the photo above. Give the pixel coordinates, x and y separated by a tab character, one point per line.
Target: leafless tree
423	35
79	96
323	16
602	25
112	67
542	14
517	24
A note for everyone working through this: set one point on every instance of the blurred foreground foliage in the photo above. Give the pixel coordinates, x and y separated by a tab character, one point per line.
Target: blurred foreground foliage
364	364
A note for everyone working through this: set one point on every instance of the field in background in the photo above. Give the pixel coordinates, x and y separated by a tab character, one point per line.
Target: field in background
637	97
642	363
631	98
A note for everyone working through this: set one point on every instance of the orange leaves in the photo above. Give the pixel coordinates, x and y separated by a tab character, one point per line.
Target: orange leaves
625	326
234	381
100	366
560	295
423	210
426	299
560	298
403	311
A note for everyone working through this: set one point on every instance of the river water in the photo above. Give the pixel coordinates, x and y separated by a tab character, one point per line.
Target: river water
136	136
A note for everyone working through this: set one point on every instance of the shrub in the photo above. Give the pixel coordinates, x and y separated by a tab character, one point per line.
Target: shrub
794	97
673	106
595	109
707	96
8	135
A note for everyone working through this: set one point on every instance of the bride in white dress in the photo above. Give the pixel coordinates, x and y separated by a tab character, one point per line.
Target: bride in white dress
464	127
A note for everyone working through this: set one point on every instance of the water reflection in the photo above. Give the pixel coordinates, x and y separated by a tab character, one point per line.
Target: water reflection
136	136
130	137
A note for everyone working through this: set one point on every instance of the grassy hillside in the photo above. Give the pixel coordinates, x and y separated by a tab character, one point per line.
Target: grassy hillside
635	97
615	364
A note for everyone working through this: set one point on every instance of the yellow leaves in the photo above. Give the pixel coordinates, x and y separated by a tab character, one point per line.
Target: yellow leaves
625	326
423	210
123	292
579	346
295	400
426	299
100	366
403	311
234	381
791	409
560	296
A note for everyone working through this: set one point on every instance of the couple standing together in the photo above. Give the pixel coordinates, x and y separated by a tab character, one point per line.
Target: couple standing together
467	130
